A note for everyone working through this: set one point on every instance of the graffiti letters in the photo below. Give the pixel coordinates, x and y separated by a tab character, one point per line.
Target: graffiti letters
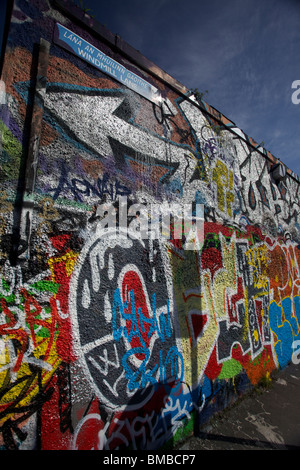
125	315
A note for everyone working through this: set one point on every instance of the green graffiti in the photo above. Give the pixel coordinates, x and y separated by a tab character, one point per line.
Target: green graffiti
10	154
230	369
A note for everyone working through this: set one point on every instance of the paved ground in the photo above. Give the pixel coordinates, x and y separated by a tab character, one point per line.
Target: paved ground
268	419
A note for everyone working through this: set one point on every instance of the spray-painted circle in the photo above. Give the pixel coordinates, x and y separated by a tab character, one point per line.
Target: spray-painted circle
121	305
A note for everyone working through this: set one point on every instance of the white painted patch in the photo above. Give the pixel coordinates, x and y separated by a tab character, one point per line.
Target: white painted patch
281	382
270	433
2	92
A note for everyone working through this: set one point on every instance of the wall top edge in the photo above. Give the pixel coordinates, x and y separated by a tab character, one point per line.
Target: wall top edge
77	15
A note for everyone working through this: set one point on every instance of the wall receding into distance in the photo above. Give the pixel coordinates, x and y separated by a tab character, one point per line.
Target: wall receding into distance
128	342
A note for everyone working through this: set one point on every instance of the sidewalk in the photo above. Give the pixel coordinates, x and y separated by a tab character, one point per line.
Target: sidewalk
268	419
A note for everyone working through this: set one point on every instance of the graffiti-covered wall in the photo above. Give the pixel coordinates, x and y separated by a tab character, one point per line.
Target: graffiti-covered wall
110	339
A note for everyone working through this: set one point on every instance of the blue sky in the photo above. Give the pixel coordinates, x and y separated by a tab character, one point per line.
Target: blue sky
244	52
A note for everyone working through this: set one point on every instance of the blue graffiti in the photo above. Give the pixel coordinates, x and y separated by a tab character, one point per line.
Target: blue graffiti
81	187
138	320
164	371
286	328
171	370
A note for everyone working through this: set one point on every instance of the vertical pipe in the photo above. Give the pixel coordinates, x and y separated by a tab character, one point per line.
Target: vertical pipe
37	116
34	141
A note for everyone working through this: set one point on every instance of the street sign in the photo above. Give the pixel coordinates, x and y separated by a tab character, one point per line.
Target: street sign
89	53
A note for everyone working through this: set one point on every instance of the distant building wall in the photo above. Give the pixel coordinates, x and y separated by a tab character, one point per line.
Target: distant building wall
127	342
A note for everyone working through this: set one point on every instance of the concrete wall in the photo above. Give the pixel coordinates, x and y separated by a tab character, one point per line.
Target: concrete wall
130	343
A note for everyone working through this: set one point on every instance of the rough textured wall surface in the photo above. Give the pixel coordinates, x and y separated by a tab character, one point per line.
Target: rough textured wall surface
130	343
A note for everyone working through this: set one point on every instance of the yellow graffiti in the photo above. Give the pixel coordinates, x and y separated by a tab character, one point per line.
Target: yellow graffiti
195	351
258	257
24	379
28	344
68	258
208	297
223	177
246	322
25	371
18	369
203	293
225	278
